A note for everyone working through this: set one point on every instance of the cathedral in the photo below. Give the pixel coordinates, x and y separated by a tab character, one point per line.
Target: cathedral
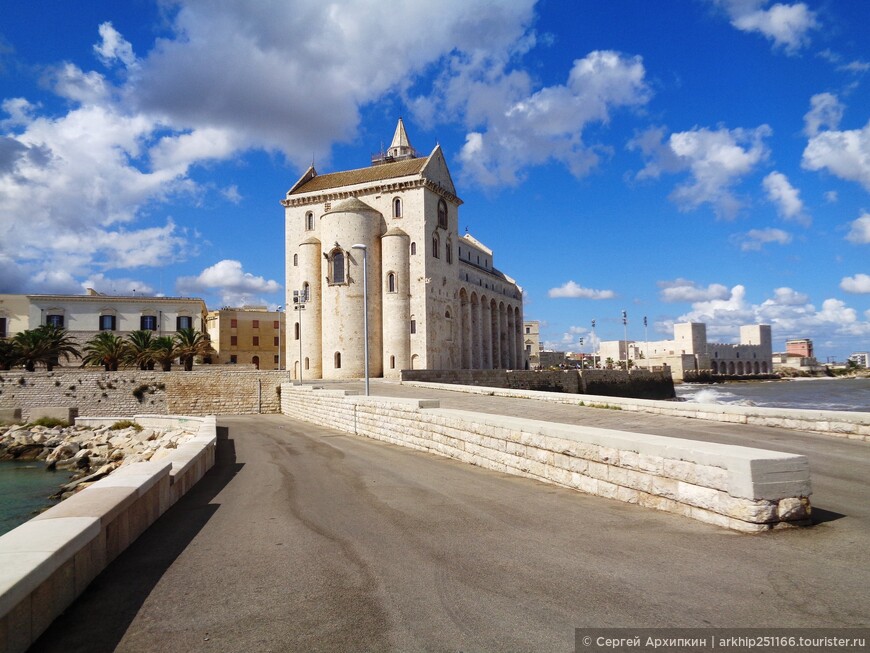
435	298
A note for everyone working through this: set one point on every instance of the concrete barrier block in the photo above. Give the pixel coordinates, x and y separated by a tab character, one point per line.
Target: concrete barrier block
10	415
64	413
99	502
31	553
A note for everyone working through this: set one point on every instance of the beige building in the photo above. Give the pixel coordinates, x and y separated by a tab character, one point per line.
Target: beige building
532	344
83	316
689	350
251	335
435	298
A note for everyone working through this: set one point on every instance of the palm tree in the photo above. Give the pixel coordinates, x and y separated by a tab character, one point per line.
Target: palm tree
140	349
105	349
192	343
164	352
43	345
8	356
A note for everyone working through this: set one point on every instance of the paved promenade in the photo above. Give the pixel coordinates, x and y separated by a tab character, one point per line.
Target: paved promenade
306	539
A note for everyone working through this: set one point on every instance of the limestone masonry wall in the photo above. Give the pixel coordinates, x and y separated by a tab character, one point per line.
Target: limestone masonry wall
615	383
207	390
740	488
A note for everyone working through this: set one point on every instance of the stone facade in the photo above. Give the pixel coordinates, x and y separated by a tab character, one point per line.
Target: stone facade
84	316
206	391
435	298
251	335
532	344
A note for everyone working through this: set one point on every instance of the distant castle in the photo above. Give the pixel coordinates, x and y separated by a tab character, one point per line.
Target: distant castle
435	298
689	350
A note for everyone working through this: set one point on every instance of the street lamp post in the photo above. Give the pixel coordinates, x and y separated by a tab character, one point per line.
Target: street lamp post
279	337
365	309
299	299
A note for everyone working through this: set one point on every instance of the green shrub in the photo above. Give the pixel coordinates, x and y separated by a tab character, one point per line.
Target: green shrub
125	424
49	422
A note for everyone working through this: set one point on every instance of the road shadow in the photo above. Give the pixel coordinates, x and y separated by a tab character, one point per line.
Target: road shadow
822	516
98	619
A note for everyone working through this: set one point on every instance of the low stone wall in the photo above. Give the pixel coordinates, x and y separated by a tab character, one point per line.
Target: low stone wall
637	383
845	424
740	488
49	561
207	390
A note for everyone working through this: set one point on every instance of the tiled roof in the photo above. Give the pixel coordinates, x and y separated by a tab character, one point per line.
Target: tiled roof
362	175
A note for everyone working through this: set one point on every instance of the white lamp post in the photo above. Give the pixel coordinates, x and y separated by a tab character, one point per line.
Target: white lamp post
299	299
365	309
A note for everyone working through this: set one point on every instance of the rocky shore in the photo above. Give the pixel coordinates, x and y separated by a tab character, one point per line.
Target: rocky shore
88	453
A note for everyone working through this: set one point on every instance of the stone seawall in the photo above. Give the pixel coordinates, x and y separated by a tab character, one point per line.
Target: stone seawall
48	561
740	488
643	384
207	390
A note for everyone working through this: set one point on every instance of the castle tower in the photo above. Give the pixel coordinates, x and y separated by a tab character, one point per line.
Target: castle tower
396	301
757	334
690	338
348	223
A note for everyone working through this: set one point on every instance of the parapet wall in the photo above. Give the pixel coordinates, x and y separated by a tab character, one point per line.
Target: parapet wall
207	390
48	561
845	424
637	383
740	488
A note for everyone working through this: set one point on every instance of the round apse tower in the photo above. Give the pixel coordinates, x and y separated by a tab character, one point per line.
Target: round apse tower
307	321
349	223
396	289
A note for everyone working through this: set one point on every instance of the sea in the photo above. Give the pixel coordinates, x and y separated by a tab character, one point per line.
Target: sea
24	491
852	394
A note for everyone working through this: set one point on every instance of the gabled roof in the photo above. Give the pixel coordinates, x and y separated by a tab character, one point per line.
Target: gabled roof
312	183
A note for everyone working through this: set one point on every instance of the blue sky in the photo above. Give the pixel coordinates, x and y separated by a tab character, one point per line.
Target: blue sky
704	160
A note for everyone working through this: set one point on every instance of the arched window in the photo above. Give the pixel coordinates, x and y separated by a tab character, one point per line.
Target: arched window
391	282
442	214
295	260
397	207
337	267
306	292
392	362
449	251
436	246
296	331
413	249
306	362
309	221
337	360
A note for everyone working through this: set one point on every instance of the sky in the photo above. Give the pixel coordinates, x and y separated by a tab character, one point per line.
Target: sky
689	160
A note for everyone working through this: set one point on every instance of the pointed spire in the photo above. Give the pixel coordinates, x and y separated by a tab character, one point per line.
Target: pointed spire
400	138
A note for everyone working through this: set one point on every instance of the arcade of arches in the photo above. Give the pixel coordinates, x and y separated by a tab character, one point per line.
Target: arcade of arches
490	333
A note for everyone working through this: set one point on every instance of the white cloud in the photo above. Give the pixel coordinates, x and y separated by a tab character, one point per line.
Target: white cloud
832	196
220	82
716	160
545	125
117	286
859	231
825	111
572	290
114	47
787	25
845	154
788	312
786	197
860	283
683	290
755	239
227	278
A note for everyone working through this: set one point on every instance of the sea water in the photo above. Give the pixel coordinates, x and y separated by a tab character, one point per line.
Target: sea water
25	488
817	394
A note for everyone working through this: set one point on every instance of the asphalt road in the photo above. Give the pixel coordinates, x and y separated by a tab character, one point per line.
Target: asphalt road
306	539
